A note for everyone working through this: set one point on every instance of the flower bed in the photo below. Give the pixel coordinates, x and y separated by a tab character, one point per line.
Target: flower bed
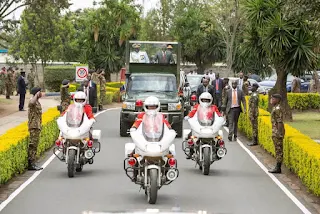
301	153
14	144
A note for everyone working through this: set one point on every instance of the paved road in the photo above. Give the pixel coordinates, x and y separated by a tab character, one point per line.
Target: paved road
235	184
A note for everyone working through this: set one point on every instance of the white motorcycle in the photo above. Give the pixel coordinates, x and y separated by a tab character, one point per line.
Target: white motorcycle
149	160
74	146
206	139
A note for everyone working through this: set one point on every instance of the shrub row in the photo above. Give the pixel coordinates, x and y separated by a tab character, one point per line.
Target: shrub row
14	144
298	101
301	153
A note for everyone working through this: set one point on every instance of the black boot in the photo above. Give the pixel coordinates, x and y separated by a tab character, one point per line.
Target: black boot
254	142
190	155
277	168
33	167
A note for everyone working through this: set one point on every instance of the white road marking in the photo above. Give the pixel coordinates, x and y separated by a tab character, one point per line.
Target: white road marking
37	173
274	178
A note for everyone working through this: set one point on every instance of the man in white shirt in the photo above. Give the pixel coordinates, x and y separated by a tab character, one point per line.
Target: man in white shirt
138	56
240	81
212	75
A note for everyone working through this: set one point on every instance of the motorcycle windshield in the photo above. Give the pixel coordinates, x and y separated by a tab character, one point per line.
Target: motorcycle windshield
74	116
152	127
205	116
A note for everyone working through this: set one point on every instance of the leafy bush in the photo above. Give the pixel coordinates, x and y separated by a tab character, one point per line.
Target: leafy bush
109	97
14	144
111	89
72	88
115	84
298	101
54	75
301	154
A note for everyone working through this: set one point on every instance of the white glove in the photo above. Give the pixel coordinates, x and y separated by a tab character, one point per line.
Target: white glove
133	129
186	118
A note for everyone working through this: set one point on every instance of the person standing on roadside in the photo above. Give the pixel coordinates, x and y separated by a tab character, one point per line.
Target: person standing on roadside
254	113
226	87
65	95
22	90
102	97
278	131
34	126
9	83
245	86
16	76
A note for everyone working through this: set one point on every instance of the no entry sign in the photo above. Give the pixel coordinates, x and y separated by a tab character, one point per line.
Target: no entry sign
81	73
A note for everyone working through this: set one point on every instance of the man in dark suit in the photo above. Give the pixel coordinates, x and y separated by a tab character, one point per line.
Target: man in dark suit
217	91
204	87
232	104
165	56
90	89
22	89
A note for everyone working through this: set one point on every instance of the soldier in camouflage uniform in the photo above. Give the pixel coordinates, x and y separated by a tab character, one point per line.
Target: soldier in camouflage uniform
254	113
2	80
102	81
34	126
226	87
30	80
9	83
245	86
95	76
64	95
278	130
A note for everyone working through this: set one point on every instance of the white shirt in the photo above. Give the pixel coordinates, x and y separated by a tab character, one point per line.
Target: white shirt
240	83
139	57
212	76
86	91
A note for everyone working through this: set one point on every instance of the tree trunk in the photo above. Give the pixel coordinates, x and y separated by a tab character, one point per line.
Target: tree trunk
281	88
43	82
34	67
108	77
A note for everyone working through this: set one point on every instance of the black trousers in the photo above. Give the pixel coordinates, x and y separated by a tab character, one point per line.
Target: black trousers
218	100
233	117
21	101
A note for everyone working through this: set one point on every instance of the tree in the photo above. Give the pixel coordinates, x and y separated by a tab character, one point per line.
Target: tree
7	7
38	36
113	23
201	43
286	40
227	16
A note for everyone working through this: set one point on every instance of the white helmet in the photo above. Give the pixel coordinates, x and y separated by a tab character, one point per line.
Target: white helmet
151	105
205	99
80	99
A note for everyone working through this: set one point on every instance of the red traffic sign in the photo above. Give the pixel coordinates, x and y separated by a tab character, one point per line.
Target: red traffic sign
82	73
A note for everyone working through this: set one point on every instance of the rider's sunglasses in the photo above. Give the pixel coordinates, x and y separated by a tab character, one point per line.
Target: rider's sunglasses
205	100
79	100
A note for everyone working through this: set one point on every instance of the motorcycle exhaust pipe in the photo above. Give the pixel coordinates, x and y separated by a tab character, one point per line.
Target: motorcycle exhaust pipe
172	174
221	152
89	154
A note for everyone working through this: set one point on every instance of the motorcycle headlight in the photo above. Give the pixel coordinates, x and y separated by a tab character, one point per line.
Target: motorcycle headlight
174	106
128	105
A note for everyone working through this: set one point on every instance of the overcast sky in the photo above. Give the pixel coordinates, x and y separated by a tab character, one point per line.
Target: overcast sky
77	4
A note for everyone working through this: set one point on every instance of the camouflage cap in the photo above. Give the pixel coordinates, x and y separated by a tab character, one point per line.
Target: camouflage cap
65	83
255	85
35	90
277	96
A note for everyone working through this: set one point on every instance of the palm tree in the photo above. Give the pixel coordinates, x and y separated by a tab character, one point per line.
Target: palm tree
287	42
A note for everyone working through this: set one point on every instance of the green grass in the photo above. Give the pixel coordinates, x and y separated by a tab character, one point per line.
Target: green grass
307	123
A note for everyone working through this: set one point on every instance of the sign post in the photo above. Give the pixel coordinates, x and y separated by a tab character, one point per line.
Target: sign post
81	73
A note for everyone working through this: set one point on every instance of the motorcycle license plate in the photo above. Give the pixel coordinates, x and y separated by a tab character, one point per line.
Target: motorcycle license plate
153	148
206	130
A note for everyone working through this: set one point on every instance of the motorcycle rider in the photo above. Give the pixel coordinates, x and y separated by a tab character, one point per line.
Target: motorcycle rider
205	100
151	106
79	100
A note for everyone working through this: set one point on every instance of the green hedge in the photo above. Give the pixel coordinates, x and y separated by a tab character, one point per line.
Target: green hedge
14	145
301	153
297	101
54	75
115	84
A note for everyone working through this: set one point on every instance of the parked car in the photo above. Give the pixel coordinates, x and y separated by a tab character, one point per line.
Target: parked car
261	89
194	81
270	83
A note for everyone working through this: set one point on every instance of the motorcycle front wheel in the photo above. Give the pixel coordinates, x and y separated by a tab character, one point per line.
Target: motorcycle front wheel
71	163
152	191
206	161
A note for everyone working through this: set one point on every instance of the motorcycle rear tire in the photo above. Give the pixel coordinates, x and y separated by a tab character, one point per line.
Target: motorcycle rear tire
71	163
153	188
206	161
